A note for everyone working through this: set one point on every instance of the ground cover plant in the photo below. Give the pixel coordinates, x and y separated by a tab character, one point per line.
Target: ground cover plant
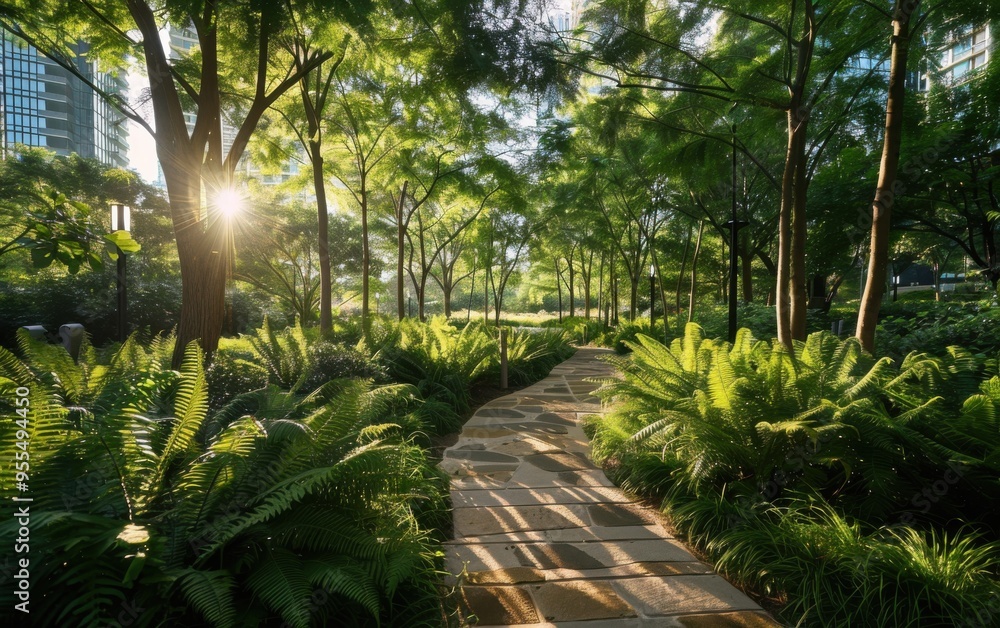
932	326
243	494
818	476
443	362
230	518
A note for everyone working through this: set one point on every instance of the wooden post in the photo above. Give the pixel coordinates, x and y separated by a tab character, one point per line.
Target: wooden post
503	358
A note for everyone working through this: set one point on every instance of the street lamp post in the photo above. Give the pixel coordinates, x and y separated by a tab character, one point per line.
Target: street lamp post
121	221
734	227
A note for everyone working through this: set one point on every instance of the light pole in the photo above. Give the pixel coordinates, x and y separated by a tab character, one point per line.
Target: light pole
735	224
121	221
377	295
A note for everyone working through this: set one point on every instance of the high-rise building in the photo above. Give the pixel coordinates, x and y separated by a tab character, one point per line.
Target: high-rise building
967	51
963	52
47	106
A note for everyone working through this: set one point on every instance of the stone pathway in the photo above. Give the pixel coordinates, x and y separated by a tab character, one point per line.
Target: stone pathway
543	538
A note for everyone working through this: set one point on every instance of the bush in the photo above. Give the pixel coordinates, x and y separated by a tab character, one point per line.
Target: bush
329	360
441	362
835	573
232	373
933	326
229	520
733	437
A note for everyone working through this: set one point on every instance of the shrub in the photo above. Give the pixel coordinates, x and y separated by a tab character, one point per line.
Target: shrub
746	443
931	327
233	371
834	573
532	354
143	499
328	360
440	362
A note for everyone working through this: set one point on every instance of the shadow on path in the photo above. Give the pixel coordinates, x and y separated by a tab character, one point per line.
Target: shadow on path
543	538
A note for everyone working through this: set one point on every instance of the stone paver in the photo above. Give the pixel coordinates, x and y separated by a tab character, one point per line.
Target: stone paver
543	538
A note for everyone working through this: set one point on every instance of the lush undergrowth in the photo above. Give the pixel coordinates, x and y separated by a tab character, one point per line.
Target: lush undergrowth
286	484
855	490
904	326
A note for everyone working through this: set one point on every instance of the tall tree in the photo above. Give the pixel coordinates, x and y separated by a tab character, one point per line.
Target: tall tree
240	60
314	94
903	12
434	232
777	56
367	112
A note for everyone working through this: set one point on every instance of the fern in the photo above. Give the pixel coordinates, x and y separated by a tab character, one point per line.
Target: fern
211	594
190	408
274	473
280	581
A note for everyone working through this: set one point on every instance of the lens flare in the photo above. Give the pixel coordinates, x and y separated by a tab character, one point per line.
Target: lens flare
230	203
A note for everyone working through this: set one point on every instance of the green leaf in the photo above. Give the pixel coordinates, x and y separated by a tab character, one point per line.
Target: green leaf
41	256
95	261
123	240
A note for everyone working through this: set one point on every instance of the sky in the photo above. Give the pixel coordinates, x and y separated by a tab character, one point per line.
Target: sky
142	151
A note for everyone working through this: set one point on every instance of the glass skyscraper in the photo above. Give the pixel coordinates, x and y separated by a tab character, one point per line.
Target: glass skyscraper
44	105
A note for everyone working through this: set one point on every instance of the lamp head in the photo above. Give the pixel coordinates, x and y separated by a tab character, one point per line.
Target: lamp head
121	219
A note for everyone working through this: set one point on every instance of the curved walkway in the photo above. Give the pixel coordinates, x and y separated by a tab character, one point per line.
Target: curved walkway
543	538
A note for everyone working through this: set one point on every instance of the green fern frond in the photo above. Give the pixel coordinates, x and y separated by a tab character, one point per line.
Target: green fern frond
211	594
346	579
721	380
280	582
872	380
189	413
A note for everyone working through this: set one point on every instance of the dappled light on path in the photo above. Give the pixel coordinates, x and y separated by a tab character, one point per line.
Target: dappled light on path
542	537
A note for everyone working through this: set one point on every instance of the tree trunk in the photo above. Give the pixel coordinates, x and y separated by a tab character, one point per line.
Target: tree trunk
782	283
600	287
204	261
797	263
366	260
832	293
791	280
400	254
472	289
871	301
613	303
680	276
662	296
572	291
694	272
559	289
323	222
421	283
746	267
